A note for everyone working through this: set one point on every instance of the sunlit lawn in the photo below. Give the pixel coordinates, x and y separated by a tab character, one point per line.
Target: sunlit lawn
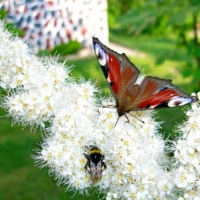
20	179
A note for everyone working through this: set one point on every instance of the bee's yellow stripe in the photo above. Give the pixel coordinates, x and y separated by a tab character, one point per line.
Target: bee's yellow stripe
95	151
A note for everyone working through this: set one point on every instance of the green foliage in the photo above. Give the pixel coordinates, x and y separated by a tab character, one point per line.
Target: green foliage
3	14
66	48
43	53
62	50
176	19
10	26
117	8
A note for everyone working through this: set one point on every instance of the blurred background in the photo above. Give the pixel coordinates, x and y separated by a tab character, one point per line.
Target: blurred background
160	37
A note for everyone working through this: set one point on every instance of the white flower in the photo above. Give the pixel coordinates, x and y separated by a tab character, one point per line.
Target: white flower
40	92
111	196
187	155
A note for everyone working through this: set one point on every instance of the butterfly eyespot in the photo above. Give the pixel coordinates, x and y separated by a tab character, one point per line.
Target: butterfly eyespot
101	55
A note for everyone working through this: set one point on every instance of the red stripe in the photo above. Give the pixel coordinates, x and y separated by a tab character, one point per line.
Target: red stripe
114	72
162	96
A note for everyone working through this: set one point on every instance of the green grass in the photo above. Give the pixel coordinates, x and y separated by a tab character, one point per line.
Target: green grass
20	179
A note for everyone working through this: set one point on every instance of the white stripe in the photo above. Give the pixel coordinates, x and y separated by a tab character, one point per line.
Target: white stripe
182	100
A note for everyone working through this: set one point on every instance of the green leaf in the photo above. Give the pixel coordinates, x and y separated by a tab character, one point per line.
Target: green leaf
68	48
197	74
188	71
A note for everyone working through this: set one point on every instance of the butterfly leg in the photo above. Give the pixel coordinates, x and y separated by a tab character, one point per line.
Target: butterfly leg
116	121
127	117
109	106
135	118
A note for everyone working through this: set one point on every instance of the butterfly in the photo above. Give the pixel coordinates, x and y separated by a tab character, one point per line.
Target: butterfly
122	75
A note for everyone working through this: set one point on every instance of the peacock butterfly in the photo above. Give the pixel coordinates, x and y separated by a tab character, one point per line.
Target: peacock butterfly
122	75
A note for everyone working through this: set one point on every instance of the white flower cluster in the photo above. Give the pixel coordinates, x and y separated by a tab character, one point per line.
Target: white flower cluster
34	85
71	130
134	158
40	92
187	155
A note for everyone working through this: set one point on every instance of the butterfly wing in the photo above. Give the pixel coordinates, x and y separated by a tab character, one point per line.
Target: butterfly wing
121	75
160	93
119	72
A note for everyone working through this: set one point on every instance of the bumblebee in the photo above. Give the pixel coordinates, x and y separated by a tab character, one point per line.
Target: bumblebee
95	164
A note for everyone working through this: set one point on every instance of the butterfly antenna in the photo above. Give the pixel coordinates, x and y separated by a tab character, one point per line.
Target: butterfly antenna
135	118
116	121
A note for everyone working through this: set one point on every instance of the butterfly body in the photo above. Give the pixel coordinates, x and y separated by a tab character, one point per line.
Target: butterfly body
122	77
